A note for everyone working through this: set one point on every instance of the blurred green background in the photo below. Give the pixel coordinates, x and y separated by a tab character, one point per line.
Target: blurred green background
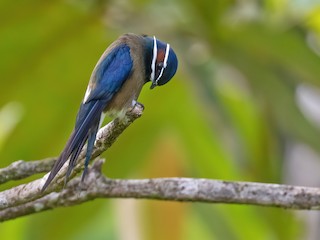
244	105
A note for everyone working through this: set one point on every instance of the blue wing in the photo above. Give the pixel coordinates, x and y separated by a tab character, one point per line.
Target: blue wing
110	74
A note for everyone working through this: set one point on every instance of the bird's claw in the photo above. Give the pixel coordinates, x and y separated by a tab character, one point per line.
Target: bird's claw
136	104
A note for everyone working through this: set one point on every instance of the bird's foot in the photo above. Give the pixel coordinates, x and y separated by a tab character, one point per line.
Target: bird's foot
134	105
137	104
135	109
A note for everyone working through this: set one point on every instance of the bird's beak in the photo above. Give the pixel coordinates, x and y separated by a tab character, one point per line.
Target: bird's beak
153	85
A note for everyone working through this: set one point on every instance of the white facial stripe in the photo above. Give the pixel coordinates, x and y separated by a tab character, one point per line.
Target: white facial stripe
154	57
166	56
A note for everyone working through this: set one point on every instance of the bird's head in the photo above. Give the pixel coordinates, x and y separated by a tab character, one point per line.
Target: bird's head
162	62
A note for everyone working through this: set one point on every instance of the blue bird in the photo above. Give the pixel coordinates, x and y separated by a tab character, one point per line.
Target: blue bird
114	86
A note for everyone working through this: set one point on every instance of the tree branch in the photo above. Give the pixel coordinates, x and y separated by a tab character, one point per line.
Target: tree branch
28	192
173	189
105	138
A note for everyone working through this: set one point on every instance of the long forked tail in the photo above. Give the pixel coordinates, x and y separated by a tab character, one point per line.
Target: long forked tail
85	130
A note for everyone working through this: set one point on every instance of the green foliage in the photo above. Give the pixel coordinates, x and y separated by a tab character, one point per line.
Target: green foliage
227	114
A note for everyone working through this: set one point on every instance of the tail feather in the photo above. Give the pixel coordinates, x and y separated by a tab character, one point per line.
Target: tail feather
86	129
73	159
91	139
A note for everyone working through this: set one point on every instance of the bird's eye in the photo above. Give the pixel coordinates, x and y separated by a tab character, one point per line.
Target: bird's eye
158	72
160	65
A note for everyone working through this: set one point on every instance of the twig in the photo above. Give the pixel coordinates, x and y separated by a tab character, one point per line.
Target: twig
106	137
22	169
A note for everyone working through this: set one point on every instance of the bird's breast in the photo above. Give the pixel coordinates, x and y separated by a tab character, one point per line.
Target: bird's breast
126	96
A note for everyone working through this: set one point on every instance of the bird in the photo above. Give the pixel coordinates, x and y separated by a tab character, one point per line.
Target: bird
114	86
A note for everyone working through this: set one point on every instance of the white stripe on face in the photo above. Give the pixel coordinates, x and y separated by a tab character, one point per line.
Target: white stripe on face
166	56
154	58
